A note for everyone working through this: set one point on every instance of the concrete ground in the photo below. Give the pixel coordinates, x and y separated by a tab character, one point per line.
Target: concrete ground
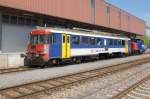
9	80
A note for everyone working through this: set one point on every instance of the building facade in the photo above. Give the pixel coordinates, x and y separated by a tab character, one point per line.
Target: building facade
19	17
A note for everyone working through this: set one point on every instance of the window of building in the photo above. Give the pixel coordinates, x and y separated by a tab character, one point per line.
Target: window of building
49	24
99	41
34	22
92	41
28	21
5	18
21	20
76	40
13	20
84	40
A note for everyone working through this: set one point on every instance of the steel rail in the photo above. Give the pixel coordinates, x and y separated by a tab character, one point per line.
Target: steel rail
13	70
54	83
131	88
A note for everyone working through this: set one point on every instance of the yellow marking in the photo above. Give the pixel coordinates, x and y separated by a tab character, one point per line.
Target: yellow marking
126	47
65	46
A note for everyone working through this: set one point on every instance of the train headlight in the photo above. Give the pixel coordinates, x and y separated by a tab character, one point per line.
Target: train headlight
143	46
37	55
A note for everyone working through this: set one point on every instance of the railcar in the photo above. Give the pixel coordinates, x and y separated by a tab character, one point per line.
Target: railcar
55	46
137	46
134	47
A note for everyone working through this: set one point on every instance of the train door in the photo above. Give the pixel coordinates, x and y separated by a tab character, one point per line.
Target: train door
126	46
105	45
65	46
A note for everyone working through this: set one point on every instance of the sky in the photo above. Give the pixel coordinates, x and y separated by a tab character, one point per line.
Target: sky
139	8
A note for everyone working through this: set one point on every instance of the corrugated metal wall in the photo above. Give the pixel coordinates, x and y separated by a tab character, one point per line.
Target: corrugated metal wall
114	18
101	15
82	10
124	21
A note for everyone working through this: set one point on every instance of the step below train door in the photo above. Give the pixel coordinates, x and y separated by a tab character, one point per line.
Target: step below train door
65	46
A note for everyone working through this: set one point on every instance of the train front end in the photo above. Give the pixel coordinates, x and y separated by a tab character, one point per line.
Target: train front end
38	48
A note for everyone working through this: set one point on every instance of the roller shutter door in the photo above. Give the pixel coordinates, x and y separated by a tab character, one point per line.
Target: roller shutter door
14	38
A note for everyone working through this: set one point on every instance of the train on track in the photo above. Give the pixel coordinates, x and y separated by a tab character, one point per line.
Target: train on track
52	46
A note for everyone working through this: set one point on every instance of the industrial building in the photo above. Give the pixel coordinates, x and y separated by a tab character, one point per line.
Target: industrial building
19	17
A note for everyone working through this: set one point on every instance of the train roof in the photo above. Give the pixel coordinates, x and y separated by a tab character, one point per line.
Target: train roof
79	32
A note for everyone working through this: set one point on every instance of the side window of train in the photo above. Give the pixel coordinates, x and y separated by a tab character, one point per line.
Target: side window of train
123	42
99	41
52	39
84	40
75	40
119	42
115	42
105	42
110	42
92	40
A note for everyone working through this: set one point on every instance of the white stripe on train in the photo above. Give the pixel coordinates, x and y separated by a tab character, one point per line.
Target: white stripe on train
94	51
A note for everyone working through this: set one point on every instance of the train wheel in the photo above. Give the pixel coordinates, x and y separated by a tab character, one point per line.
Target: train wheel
79	60
100	56
76	60
122	55
44	65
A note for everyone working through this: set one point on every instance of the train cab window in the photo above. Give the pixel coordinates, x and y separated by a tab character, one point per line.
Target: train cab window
110	42
76	40
52	39
92	40
123	42
39	39
99	41
84	40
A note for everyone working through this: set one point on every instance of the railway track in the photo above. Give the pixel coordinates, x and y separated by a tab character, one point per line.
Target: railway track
31	89
11	70
140	90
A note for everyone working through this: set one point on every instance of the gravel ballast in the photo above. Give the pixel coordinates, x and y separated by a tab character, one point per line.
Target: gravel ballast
100	88
13	79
